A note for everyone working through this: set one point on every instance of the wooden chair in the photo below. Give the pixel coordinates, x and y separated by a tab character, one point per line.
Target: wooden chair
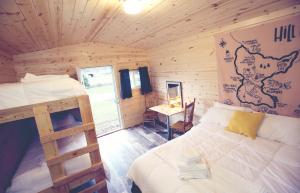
183	126
149	115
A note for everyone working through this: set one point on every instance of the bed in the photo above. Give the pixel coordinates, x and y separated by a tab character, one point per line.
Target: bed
33	167
34	89
268	164
66	153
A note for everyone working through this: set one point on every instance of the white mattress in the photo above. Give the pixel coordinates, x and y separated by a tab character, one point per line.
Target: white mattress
43	90
33	174
238	164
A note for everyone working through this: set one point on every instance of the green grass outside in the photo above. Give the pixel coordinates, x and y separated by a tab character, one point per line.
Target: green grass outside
101	89
103	104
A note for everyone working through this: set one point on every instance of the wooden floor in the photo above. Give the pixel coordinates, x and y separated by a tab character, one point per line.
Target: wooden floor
120	149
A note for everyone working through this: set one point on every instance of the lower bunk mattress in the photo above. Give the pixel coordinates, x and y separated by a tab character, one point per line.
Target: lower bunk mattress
33	174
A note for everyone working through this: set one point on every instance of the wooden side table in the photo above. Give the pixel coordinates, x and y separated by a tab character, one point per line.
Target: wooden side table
168	111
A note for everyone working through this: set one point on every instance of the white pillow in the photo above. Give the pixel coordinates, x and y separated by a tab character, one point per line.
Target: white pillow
29	76
217	115
281	128
231	107
34	78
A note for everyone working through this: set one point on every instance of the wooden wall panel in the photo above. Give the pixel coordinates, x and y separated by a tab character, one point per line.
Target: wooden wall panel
192	61
7	72
64	60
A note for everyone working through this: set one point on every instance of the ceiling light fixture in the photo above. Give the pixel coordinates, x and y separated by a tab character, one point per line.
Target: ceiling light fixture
133	6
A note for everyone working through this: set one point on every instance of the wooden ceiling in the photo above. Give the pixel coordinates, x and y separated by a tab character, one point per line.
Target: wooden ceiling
31	25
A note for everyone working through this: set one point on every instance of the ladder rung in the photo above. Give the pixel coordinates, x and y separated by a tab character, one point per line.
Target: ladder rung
66	132
95	187
67	179
95	175
72	154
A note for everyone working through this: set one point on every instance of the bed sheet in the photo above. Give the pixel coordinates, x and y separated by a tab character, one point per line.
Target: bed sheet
21	94
238	164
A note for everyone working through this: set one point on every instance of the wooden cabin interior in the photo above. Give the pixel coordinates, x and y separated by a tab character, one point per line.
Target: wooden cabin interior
149	96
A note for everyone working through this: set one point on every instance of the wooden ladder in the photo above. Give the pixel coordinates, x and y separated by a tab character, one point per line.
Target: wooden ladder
62	183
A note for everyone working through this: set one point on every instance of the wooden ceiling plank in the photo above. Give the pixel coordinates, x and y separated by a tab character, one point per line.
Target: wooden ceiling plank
43	14
249	13
6	47
201	23
58	12
199	13
40	9
123	20
123	23
284	12
84	22
31	26
103	18
12	30
55	9
68	17
164	15
52	21
77	16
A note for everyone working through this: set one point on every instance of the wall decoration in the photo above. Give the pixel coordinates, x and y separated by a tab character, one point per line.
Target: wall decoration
259	67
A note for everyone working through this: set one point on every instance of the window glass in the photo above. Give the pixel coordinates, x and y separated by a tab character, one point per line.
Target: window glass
135	79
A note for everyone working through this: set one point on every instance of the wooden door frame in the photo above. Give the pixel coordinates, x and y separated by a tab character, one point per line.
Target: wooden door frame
116	83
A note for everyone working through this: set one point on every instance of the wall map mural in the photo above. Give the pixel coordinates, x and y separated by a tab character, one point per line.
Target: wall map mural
259	67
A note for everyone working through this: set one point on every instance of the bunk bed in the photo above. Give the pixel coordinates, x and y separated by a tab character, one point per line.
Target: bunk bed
57	162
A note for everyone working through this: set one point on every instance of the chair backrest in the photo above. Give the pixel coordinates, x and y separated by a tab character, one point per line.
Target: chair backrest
189	112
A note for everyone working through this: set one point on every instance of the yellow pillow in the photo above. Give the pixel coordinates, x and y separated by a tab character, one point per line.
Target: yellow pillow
245	123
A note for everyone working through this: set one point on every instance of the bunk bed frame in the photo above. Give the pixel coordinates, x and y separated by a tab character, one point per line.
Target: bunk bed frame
63	183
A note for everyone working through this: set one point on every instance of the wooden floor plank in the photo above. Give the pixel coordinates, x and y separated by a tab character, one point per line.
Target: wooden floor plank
120	149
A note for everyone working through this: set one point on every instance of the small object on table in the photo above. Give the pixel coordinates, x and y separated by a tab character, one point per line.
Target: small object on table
171	105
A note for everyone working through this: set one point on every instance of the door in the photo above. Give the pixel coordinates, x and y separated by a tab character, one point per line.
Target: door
100	85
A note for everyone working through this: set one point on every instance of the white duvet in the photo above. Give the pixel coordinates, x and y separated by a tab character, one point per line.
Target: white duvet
38	90
238	164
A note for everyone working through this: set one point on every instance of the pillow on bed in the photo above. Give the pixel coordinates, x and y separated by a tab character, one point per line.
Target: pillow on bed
34	78
231	107
245	123
216	115
281	128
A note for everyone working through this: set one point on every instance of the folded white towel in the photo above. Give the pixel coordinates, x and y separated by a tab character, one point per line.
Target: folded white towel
192	166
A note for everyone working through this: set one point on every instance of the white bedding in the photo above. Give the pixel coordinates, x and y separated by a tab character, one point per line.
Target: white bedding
33	174
238	164
38	90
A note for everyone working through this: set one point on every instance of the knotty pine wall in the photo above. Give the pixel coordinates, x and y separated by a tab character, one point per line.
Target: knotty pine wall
192	60
7	72
64	60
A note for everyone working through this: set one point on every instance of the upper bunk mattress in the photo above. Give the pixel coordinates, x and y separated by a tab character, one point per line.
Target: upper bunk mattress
38	91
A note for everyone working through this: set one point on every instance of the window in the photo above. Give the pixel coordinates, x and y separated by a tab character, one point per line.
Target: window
135	79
